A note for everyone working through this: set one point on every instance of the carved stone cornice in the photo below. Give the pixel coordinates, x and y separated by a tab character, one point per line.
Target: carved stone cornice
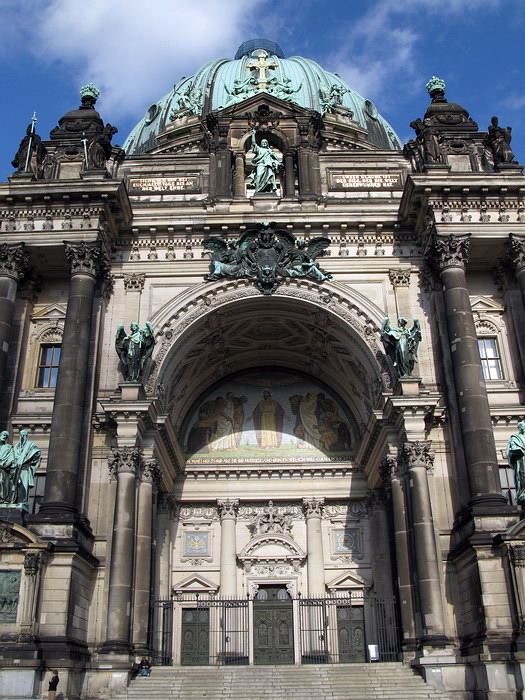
418	454
86	258
14	261
515	249
125	460
449	251
32	562
313	507
150	472
228	509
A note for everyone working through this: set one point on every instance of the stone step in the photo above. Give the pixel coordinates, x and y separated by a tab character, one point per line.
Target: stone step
387	681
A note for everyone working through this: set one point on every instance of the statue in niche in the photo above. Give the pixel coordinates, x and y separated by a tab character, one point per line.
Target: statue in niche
18	465
401	344
516	457
498	141
134	348
265	165
31	153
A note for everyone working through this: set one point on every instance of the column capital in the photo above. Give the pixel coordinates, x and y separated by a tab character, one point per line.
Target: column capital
124	460
228	509
449	251
389	467
418	454
14	261
515	250
86	258
150	472
517	552
313	507
167	503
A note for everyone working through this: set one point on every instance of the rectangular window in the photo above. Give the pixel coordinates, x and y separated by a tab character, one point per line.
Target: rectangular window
48	366
490	358
508	486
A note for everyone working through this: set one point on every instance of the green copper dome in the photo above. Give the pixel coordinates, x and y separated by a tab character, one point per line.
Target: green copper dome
260	66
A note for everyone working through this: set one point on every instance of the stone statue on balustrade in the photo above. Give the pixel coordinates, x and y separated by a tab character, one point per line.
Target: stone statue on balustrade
401	344
31	153
498	141
134	349
18	465
516	458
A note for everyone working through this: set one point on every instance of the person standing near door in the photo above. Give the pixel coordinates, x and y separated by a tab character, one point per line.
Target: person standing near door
52	689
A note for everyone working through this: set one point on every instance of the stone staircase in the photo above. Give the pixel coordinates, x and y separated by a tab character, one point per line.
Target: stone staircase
386	681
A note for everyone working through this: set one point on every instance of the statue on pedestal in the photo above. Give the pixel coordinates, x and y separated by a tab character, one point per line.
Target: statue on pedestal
18	465
516	457
498	141
134	348
401	344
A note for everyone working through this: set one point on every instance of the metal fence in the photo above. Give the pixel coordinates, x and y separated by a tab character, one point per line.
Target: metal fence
202	630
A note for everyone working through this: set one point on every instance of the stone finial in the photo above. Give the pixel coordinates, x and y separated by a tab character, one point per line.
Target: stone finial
89	91
435	87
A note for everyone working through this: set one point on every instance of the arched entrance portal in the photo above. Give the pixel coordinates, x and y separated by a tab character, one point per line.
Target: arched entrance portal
270	397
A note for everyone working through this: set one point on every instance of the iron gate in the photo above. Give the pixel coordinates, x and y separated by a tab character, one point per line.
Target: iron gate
330	629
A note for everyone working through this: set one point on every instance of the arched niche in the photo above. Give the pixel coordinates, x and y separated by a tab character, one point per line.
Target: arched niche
325	332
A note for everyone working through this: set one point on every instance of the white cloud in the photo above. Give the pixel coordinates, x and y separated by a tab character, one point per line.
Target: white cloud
133	50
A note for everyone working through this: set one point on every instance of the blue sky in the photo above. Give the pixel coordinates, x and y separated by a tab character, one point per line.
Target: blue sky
135	51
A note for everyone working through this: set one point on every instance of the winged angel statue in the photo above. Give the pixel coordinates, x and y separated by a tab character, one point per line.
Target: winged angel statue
266	256
134	348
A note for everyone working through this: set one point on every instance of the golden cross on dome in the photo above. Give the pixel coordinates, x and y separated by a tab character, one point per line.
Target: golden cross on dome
262	64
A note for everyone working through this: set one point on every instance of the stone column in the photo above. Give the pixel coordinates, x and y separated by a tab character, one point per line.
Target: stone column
87	262
449	256
380	531
392	470
289	174
516	257
419	459
239	187
149	478
314	546
166	509
14	263
124	466
305	172
228	578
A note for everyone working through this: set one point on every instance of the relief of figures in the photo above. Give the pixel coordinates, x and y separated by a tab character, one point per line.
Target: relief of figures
290	420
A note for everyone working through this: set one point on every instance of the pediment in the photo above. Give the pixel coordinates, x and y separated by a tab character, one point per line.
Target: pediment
252	103
481	304
348	580
195	584
53	312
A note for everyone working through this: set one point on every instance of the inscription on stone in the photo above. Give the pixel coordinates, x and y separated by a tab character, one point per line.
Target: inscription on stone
363	181
9	589
184	183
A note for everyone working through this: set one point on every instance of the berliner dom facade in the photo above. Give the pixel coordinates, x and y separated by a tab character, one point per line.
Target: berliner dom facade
260	367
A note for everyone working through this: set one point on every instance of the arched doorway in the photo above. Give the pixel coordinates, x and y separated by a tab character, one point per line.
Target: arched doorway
270	397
